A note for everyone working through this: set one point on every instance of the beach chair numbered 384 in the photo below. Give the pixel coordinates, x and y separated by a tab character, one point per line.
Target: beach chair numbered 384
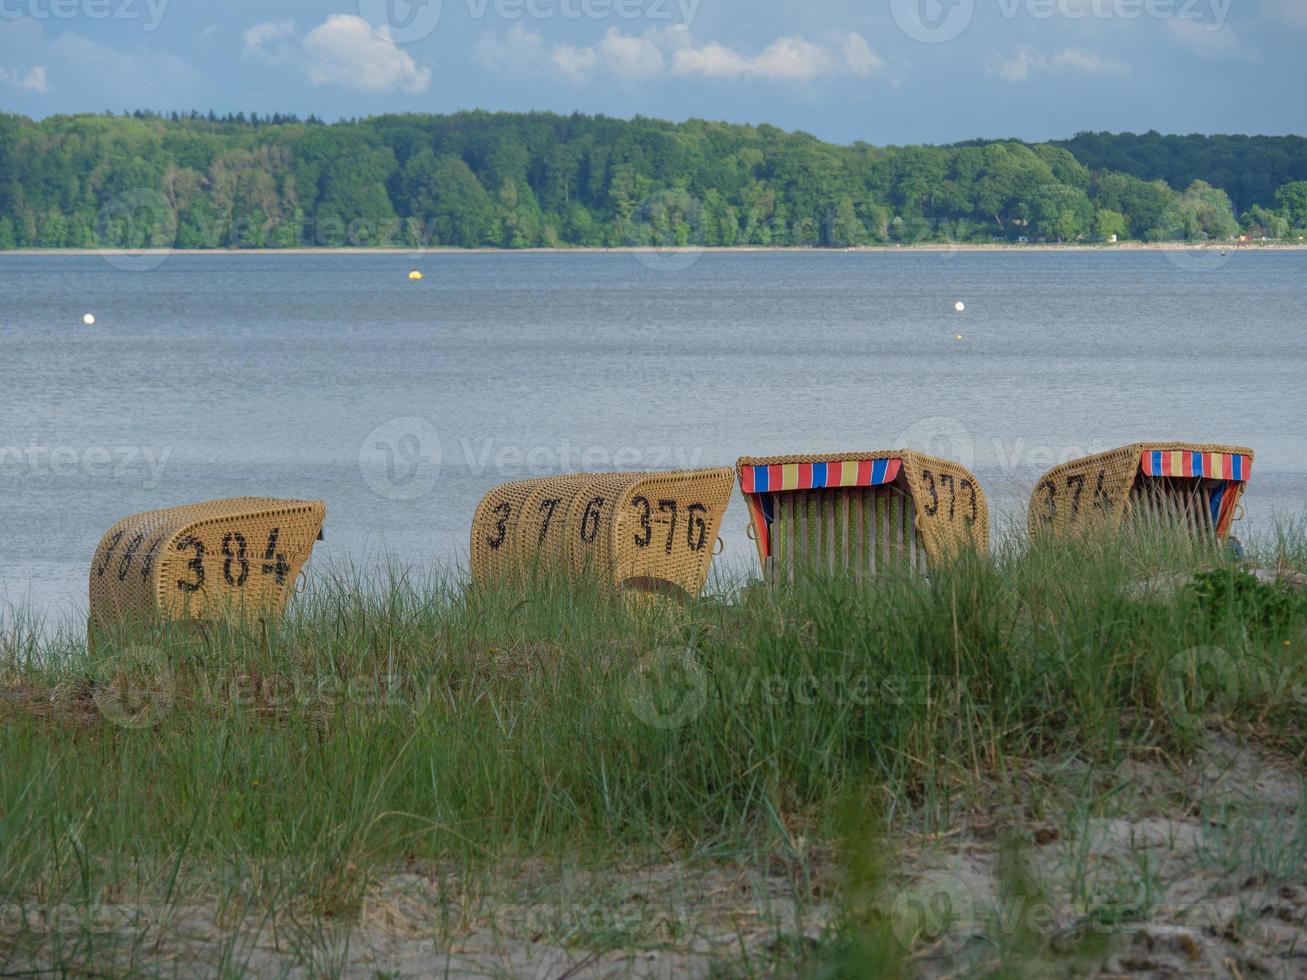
865	513
238	557
1154	486
643	532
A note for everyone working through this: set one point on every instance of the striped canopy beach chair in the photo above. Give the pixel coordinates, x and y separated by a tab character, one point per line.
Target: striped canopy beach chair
636	532
863	513
1157	486
202	561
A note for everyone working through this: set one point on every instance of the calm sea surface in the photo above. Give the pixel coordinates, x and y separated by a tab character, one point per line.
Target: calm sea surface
400	402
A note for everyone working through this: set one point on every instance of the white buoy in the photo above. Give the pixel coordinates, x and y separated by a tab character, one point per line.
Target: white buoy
960	306
957	336
89	320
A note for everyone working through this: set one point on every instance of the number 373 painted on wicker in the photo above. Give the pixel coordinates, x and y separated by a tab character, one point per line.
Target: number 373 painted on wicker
644	532
862	512
236	557
1158	485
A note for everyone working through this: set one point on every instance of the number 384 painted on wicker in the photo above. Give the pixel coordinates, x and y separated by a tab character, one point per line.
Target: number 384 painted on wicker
226	557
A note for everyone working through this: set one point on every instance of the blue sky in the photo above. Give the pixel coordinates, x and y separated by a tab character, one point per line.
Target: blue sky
884	71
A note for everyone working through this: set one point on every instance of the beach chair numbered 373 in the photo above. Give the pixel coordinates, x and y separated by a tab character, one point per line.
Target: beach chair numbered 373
641	532
864	513
238	557
1151	486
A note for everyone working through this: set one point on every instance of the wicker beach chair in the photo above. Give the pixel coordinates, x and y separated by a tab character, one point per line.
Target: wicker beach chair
864	513
641	532
236	557
1157	486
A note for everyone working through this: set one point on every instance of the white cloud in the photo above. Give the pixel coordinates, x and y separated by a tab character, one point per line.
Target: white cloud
1025	60
343	50
670	52
1087	62
1208	41
1017	68
32	80
712	60
520	50
794	59
346	50
575	63
629	56
268	40
861	60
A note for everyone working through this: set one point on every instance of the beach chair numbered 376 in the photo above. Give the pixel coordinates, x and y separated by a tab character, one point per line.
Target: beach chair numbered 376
638	532
1153	486
238	557
864	513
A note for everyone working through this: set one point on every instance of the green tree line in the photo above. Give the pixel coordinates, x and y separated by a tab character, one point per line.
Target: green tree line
523	180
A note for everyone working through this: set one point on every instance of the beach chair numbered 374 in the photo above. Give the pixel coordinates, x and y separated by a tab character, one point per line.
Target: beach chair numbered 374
864	513
1152	486
238	557
643	532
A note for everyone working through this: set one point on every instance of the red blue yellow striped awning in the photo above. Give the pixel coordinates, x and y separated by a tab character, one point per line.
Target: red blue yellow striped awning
1211	466
818	476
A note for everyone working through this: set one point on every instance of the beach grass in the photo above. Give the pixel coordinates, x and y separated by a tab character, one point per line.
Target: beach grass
242	780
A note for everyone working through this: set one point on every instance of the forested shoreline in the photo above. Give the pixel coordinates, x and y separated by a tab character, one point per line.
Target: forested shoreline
501	180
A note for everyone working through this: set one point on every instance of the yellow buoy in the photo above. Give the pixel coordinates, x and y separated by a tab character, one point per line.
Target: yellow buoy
415	274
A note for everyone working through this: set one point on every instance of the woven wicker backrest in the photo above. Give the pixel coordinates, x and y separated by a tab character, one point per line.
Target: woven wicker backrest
862	512
494	545
546	517
237	556
631	530
1194	486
